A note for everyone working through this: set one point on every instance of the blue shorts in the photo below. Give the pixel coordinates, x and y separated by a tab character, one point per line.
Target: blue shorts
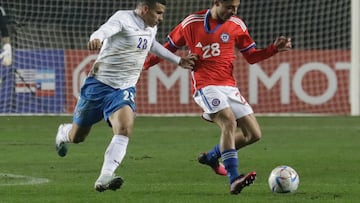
98	100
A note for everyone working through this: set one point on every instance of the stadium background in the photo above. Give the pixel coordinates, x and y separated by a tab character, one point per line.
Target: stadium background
308	22
49	38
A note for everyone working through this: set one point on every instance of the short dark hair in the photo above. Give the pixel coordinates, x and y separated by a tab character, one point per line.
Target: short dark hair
151	3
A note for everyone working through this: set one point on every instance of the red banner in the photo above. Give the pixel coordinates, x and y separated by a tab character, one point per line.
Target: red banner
298	81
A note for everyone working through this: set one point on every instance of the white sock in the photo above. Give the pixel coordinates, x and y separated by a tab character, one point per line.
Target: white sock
65	132
114	154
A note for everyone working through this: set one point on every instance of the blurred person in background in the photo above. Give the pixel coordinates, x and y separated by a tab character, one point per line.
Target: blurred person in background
6	53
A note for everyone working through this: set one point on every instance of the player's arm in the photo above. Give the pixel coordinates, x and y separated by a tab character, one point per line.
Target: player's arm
175	40
253	55
109	28
164	53
153	59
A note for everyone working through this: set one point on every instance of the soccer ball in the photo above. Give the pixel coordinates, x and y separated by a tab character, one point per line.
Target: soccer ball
283	179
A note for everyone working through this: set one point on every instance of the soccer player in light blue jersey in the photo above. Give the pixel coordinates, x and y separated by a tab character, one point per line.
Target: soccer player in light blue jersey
109	90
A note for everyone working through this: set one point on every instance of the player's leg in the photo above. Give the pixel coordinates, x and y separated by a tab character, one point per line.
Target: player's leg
211	158
249	131
122	122
84	117
88	111
213	100
208	99
86	114
226	121
69	133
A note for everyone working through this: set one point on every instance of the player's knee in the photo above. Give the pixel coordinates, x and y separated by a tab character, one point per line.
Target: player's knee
256	136
230	125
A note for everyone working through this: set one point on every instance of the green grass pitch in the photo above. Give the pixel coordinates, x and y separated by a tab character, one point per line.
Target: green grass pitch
161	161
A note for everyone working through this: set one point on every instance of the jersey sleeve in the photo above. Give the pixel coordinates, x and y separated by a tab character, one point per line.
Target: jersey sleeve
176	37
253	55
243	40
175	40
246	45
164	53
152	59
112	26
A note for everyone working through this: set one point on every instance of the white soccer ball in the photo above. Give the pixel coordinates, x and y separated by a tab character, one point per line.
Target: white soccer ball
283	179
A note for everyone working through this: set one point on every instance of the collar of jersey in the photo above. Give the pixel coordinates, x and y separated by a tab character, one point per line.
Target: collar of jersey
207	23
139	21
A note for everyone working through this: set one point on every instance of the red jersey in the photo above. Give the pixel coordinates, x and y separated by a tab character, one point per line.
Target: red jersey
214	43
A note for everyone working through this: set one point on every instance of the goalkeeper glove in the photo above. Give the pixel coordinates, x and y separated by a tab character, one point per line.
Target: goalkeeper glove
6	55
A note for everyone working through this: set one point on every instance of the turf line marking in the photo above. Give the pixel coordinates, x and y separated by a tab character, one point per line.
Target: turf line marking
20	180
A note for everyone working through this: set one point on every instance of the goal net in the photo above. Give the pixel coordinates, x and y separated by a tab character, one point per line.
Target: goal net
49	40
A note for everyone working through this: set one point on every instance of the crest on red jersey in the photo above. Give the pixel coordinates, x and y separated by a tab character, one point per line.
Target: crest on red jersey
225	37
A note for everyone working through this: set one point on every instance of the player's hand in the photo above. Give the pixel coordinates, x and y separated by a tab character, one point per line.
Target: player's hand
94	45
282	44
6	55
188	62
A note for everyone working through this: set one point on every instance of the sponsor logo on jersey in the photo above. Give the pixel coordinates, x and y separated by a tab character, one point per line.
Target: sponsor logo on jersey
199	45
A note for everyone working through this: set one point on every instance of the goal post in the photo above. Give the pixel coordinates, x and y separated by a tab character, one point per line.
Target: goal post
320	75
355	58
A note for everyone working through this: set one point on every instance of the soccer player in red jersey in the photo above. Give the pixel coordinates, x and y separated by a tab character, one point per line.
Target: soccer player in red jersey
212	35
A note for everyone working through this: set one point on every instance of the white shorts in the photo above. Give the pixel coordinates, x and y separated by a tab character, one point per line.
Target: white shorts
216	98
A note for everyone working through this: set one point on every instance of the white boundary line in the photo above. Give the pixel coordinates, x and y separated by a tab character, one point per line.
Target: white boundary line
188	114
27	180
